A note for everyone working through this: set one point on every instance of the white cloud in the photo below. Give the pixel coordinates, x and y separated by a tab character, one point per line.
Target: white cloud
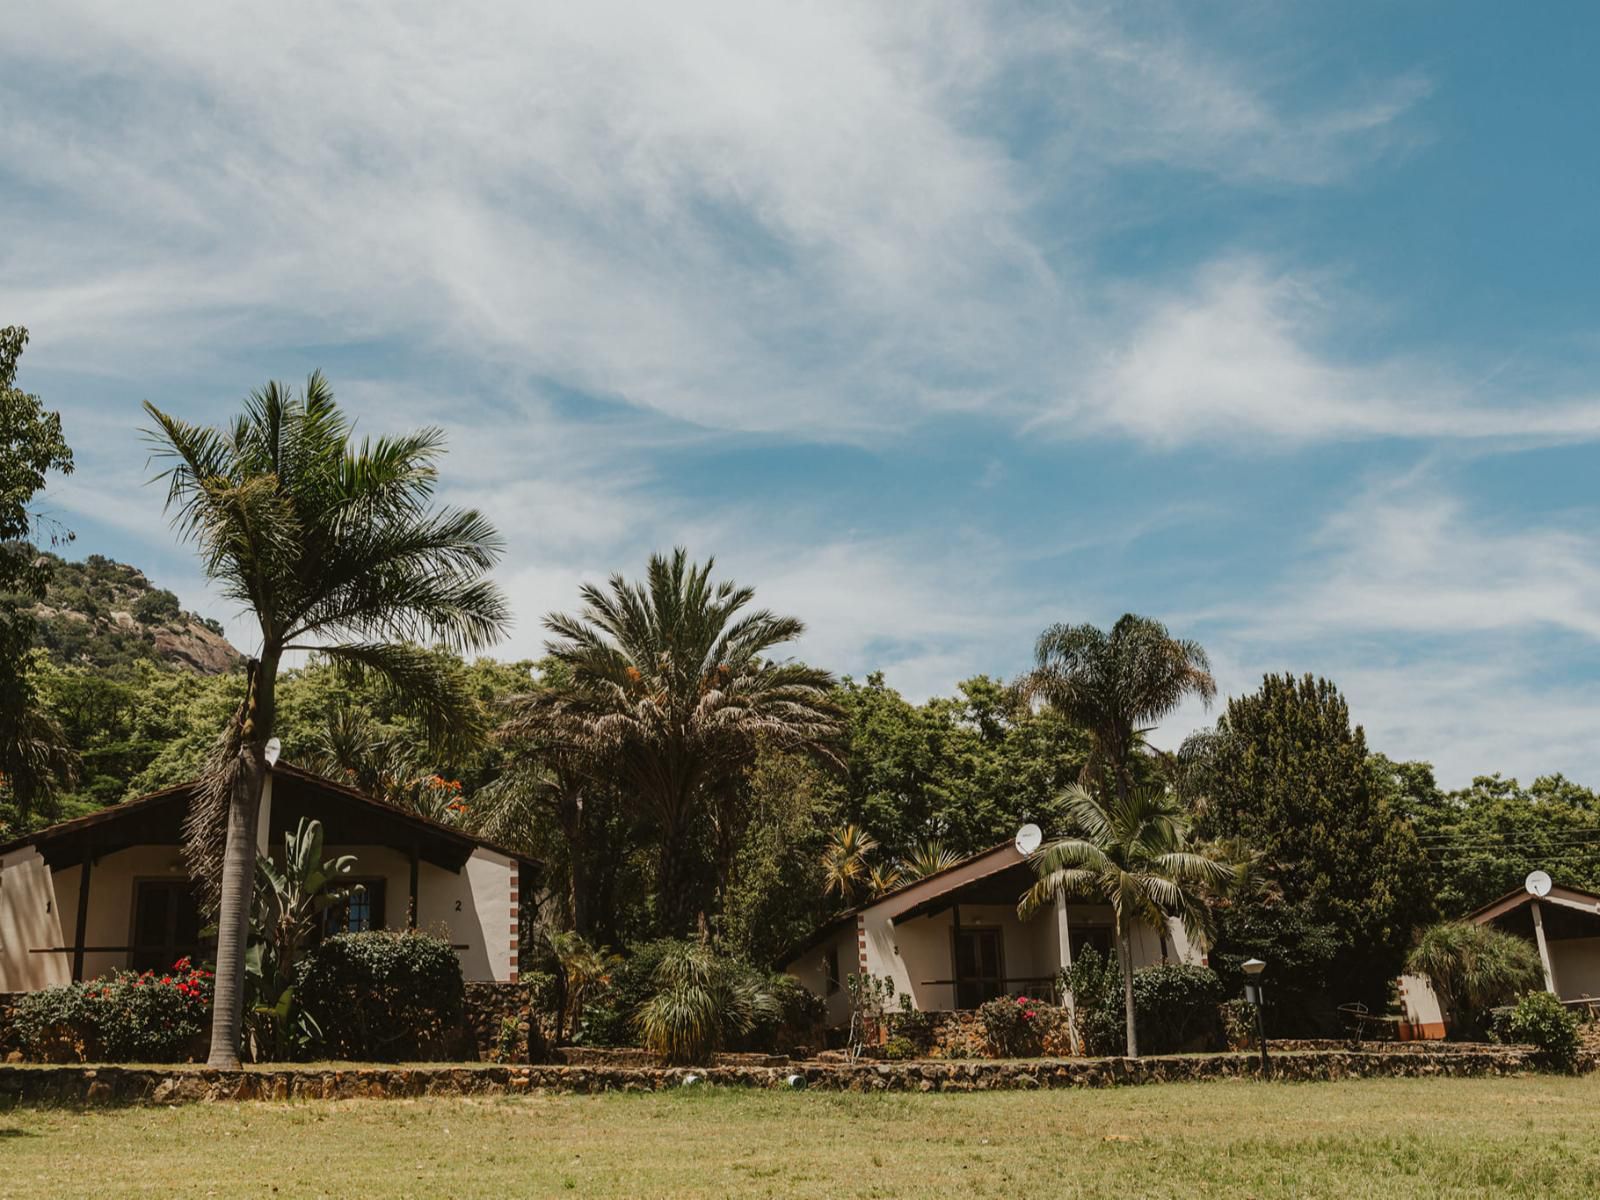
748	217
1239	356
1410	557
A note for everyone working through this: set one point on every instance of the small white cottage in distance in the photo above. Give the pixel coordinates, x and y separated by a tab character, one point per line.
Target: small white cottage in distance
953	939
108	891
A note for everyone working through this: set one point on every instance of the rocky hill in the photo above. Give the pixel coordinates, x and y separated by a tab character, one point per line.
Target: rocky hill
103	613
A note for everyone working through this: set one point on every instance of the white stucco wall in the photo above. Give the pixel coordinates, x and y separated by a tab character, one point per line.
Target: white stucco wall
29	917
916	953
810	969
473	909
1575	963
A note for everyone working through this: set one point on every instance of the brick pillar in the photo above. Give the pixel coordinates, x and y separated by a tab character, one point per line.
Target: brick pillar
516	924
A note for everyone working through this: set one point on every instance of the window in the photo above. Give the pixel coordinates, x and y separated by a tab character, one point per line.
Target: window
361	910
980	966
830	970
1099	936
166	924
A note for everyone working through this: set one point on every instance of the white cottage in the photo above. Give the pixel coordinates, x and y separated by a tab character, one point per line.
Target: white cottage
953	939
108	891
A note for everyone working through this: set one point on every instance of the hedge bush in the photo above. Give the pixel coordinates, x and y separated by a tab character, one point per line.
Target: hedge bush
124	1017
381	995
1173	1003
1542	1021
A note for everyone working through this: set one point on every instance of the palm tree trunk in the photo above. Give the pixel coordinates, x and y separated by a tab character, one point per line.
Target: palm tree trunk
239	870
1125	955
675	906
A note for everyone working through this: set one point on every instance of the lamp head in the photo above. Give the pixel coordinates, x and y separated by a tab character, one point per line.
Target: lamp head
1252	967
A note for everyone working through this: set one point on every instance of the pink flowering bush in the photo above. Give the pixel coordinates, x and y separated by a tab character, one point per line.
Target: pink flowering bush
1013	1025
156	1016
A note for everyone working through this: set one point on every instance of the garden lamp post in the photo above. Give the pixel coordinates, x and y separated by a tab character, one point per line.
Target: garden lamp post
1252	968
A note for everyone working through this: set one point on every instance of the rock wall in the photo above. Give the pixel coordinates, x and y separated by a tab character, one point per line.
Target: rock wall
130	1085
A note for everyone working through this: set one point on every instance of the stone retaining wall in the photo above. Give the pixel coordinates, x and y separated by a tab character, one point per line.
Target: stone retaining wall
129	1085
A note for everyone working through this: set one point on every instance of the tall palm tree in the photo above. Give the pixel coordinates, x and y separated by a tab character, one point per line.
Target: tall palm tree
1132	853
1116	686
334	546
669	689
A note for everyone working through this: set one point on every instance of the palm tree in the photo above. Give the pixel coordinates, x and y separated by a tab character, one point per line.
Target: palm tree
669	691
1132	853
1115	687
335	547
845	862
928	858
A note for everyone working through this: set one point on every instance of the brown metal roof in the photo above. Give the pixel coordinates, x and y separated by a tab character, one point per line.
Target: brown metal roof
144	810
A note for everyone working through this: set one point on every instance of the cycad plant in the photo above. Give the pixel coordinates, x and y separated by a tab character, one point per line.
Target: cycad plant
1473	968
700	1003
928	858
846	863
334	546
1134	855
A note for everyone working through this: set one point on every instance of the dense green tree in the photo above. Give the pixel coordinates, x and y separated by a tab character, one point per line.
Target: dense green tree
34	756
775	893
333	546
1482	840
1287	773
964	771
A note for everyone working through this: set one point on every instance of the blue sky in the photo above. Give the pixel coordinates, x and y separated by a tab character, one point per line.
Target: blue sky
936	322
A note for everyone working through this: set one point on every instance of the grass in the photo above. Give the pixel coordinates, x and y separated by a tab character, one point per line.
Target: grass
1238	1139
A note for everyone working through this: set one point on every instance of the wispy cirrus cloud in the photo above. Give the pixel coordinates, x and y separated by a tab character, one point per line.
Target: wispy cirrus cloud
805	220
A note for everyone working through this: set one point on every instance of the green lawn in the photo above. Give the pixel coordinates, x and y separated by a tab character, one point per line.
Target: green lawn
1388	1138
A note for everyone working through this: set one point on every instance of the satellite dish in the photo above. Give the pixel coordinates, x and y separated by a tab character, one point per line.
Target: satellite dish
1028	839
274	748
1537	883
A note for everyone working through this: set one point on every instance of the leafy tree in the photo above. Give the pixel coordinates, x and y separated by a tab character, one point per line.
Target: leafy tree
775	895
1286	772
964	771
1131	852
1482	840
671	692
1116	686
33	753
334	547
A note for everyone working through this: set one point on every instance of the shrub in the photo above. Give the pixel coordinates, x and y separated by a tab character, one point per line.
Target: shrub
1013	1025
1096	986
701	1003
380	995
125	1017
1174	1004
59	1024
608	1015
1542	1021
897	1049
912	1024
794	1016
